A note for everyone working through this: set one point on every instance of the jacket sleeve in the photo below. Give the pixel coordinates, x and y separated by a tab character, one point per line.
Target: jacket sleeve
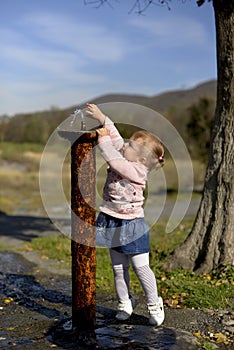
129	170
115	136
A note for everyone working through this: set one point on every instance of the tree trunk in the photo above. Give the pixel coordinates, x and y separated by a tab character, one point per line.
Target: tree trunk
211	241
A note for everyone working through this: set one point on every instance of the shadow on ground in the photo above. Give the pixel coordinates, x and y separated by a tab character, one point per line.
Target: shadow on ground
35	307
35	304
132	334
24	228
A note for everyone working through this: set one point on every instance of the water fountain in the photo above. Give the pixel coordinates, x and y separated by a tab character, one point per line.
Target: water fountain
83	220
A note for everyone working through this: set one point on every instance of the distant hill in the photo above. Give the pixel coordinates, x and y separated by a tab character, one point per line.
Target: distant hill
178	98
37	126
184	98
163	102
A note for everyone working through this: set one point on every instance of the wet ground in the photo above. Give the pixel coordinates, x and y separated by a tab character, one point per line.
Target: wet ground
35	305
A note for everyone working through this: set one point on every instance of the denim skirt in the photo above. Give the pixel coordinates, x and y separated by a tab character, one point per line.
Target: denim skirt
124	236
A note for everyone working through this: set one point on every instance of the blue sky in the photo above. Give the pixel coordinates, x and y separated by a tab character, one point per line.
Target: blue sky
62	52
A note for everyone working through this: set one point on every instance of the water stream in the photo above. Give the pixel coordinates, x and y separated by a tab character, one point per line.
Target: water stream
78	115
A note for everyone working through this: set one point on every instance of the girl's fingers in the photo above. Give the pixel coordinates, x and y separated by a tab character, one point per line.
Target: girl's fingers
102	132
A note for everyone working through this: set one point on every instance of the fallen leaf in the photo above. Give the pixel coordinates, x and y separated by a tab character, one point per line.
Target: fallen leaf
44	257
197	334
27	248
8	300
175	296
220	337
218	283
59	246
206	276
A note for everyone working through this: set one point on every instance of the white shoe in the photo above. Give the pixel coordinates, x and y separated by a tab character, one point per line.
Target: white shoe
156	313
125	309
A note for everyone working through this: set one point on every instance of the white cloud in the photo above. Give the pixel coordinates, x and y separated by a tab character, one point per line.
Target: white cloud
34	96
91	41
52	46
62	59
41	64
177	32
44	59
37	76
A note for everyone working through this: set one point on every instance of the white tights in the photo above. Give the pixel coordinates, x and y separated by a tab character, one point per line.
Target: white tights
140	263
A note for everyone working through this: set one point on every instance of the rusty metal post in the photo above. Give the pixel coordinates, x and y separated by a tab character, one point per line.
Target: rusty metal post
83	198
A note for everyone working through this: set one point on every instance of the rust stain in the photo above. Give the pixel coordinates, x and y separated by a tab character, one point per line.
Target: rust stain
83	180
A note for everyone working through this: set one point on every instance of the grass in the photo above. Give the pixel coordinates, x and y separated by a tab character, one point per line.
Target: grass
12	151
20	189
19	178
179	289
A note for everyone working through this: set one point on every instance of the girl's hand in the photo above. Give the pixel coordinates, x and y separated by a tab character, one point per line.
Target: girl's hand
94	112
102	132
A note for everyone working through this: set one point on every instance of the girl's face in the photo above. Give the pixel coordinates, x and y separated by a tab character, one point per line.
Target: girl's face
132	151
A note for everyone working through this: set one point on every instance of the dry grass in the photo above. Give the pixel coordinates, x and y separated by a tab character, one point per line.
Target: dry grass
19	177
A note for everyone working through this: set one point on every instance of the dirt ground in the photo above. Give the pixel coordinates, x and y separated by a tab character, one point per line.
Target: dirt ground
35	306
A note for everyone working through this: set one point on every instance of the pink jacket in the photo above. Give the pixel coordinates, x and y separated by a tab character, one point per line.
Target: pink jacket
123	191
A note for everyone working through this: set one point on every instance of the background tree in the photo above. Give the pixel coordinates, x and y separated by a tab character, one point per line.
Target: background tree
210	244
199	127
31	127
36	129
3	123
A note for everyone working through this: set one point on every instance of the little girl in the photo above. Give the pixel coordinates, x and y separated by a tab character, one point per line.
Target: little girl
121	224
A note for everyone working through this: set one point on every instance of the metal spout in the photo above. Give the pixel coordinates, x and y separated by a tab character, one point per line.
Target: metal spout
79	113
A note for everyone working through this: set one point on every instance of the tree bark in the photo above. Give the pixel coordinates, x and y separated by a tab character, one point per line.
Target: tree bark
211	241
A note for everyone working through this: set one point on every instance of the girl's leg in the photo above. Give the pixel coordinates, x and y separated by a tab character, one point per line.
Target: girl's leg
120	265
140	263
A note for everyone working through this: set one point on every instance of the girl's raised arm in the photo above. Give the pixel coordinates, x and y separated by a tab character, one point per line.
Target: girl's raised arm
94	112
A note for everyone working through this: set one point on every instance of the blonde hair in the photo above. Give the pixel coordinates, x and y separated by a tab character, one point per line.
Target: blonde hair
155	149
